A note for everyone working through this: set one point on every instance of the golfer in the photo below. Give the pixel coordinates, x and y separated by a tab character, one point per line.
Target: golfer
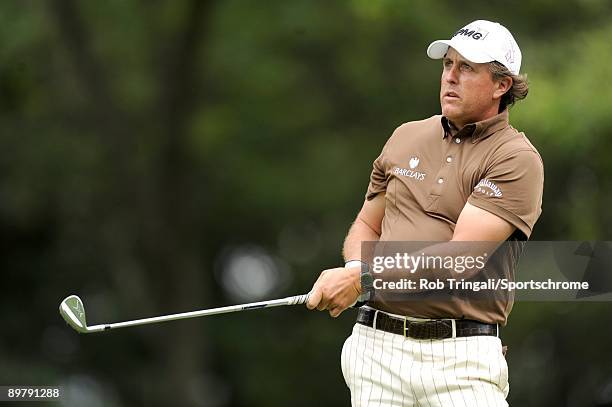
463	176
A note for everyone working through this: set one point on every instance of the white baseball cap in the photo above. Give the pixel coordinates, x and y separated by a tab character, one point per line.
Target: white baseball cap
482	41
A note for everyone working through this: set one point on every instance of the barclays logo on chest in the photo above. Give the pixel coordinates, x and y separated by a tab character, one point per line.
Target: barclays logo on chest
413	163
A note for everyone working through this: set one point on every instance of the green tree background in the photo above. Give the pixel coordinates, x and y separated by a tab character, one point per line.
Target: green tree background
152	147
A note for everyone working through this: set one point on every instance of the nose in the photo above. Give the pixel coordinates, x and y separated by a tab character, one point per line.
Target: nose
450	75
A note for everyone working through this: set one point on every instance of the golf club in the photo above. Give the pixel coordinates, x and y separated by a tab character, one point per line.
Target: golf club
73	312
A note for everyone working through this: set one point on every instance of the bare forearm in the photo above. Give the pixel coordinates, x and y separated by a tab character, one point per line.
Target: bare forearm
358	233
336	289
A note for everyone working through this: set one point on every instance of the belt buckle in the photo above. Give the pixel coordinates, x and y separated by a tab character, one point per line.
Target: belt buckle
452	328
407	327
417	325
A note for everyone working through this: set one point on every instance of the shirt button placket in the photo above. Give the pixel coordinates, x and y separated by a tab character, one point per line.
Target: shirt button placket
441	177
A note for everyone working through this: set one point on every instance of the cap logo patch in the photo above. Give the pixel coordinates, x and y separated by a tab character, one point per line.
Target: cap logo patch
510	53
477	34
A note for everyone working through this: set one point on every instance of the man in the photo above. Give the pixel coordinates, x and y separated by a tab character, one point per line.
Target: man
464	176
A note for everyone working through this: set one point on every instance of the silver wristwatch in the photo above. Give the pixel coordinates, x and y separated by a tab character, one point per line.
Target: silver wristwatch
367	280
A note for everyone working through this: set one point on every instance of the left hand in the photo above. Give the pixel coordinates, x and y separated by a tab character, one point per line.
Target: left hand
335	290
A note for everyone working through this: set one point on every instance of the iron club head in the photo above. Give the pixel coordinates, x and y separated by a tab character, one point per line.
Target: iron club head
73	312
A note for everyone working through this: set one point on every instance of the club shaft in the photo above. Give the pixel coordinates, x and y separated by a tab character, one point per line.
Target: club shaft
295	300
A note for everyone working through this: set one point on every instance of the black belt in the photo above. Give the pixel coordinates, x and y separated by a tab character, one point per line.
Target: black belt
433	329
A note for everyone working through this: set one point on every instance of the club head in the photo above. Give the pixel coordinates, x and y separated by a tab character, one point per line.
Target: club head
73	312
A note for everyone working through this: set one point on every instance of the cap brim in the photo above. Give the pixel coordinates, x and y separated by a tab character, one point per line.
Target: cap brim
439	48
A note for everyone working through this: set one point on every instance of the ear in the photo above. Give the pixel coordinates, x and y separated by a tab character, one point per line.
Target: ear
502	86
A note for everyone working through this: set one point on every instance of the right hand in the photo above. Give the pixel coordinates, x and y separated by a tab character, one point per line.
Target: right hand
335	290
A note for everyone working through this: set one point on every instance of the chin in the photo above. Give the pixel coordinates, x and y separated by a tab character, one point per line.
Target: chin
450	112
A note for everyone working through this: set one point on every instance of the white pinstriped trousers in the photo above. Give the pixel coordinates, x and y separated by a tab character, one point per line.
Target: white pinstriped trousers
385	369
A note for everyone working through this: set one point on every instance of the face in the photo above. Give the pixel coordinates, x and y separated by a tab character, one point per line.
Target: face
467	91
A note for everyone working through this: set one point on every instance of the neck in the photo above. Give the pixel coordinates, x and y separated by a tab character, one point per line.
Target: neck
459	124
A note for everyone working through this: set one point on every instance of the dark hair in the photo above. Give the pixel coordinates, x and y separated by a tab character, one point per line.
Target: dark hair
518	90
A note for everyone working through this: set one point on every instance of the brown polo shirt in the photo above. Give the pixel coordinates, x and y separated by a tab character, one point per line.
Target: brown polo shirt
428	174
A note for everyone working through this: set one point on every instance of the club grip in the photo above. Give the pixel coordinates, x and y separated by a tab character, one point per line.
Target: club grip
299	299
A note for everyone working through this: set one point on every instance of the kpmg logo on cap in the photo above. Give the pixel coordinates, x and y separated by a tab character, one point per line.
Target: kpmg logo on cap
477	34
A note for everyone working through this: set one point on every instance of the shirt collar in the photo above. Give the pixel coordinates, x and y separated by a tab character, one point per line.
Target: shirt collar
479	130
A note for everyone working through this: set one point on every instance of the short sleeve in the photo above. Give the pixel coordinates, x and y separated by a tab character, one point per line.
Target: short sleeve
378	177
512	189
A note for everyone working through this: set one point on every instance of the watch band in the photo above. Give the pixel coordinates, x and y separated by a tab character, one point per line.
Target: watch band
356	263
367	287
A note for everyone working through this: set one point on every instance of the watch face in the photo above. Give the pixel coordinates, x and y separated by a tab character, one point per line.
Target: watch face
367	280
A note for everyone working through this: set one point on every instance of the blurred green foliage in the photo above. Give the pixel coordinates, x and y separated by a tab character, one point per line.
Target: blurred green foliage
141	139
